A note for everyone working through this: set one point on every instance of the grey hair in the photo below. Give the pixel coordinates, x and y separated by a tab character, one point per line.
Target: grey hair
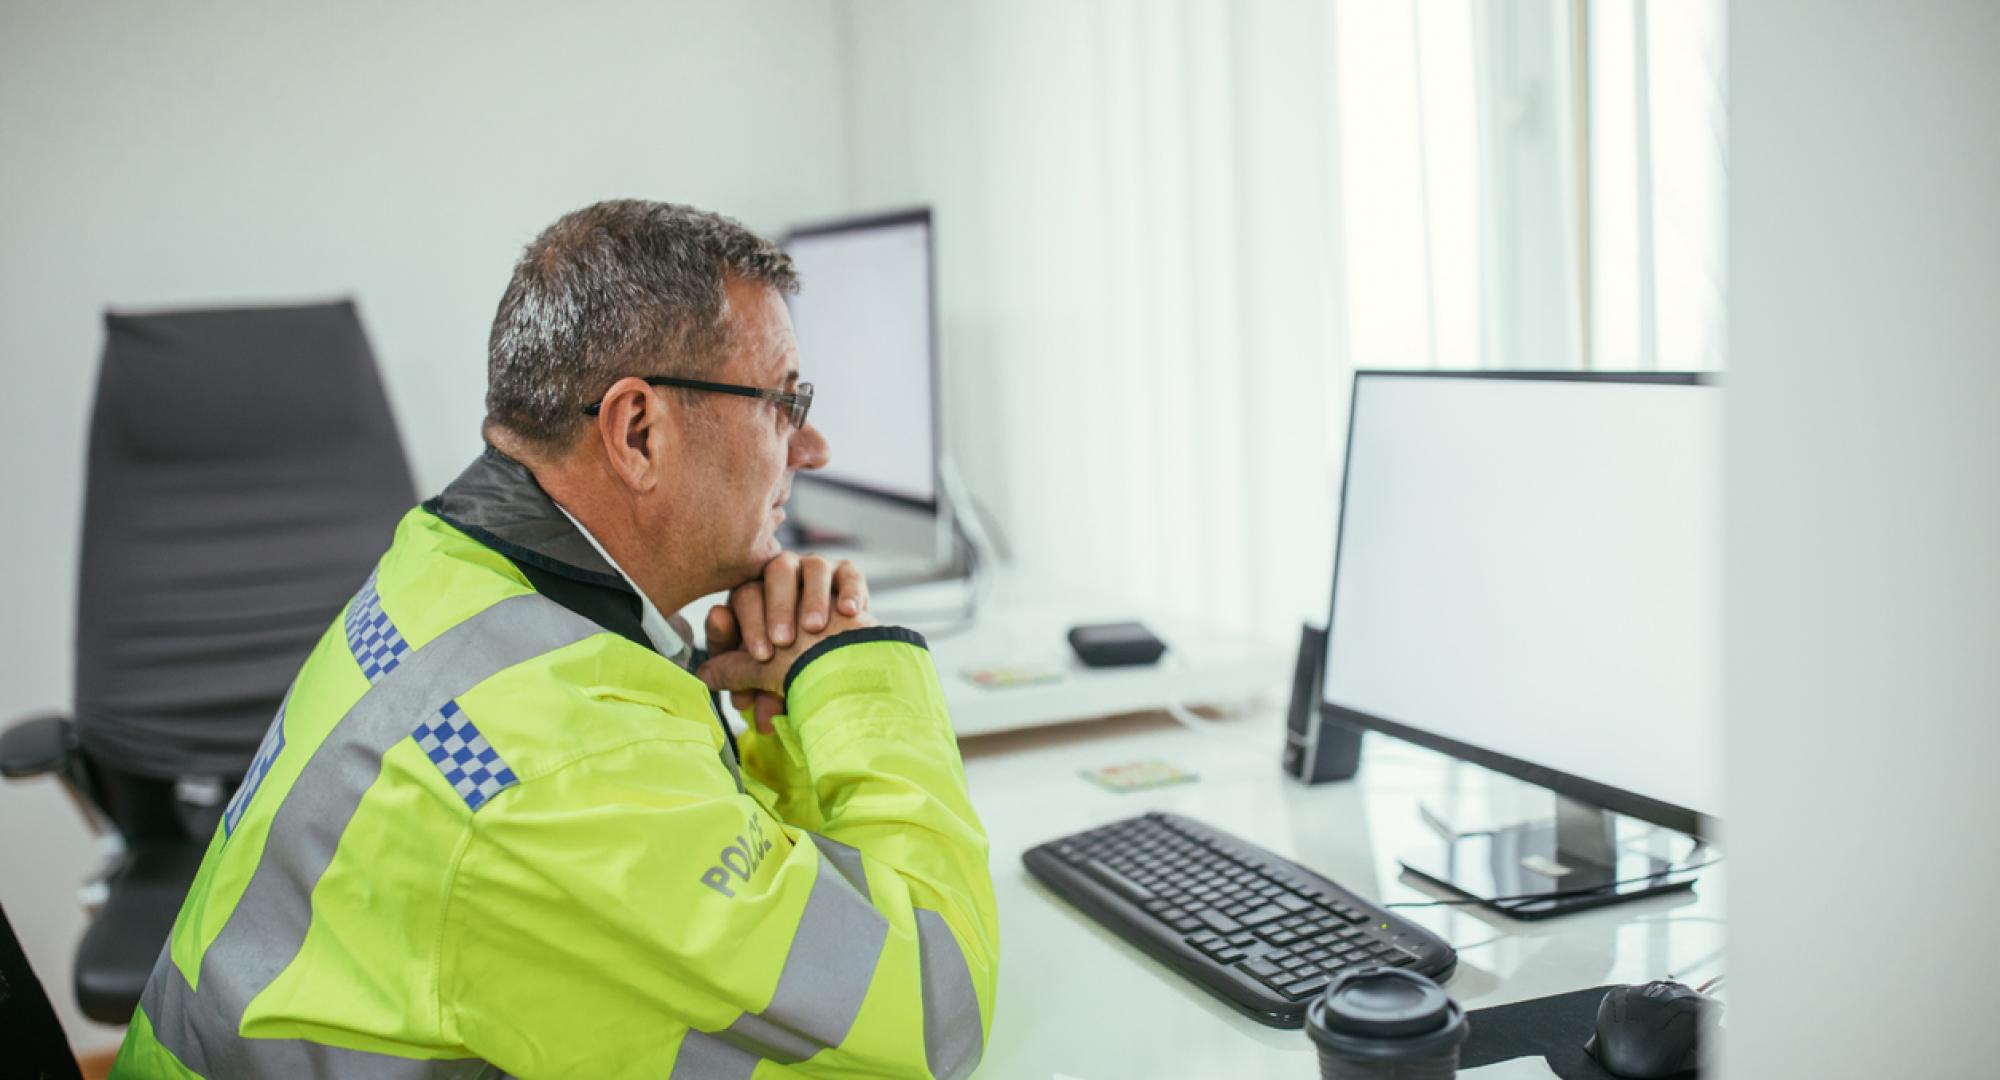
618	288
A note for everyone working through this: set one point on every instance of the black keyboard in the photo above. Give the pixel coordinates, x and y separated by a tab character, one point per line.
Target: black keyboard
1255	929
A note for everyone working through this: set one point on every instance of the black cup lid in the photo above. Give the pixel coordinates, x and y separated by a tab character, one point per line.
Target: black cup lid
1383	1011
1386	1003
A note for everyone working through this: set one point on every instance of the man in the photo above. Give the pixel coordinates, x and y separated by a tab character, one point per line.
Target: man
498	825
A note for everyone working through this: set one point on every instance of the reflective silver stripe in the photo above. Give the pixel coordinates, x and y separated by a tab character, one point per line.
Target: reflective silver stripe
728	751
705	1057
845	859
168	1002
268	926
832	960
729	762
952	1037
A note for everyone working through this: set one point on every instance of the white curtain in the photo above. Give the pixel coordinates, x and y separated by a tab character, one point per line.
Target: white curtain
1659	163
1169	230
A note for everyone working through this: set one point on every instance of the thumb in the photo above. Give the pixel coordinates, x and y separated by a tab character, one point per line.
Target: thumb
722	631
738	670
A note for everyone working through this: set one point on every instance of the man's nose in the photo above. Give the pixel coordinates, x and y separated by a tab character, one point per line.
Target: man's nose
808	448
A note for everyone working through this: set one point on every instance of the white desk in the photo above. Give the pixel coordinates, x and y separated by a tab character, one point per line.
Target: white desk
1026	625
1077	1001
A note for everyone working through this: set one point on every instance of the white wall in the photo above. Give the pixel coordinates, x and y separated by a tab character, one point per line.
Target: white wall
1863	549
218	153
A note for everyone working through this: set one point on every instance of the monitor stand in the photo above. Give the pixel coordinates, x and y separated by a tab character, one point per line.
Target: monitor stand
1573	862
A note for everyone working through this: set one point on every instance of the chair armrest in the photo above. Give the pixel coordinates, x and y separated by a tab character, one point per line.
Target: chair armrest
37	745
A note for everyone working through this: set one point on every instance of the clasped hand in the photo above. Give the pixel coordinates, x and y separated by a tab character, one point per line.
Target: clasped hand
770	621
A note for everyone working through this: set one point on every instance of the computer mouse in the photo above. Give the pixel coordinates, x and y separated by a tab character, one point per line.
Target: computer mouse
1651	1031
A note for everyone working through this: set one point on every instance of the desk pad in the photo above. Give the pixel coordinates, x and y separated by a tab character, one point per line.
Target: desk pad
1553	1028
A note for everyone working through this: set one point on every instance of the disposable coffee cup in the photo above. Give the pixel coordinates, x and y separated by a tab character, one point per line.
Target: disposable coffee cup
1384	1023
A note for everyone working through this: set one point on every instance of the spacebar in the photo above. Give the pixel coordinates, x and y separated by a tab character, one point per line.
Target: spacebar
1122	885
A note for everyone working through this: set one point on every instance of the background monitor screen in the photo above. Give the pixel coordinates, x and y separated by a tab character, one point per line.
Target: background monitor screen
1528	576
863	316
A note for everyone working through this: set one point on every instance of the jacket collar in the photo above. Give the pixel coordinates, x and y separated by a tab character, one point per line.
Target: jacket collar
497	502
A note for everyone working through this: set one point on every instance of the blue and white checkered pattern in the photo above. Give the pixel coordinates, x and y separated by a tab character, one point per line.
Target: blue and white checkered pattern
375	642
472	768
267	752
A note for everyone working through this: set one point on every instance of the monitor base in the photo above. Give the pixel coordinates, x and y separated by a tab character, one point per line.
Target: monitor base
1552	867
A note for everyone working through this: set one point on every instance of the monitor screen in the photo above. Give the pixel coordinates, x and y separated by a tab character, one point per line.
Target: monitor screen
1528	576
863	317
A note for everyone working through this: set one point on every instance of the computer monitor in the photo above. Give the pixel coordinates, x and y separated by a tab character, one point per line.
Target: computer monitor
865	318
1527	577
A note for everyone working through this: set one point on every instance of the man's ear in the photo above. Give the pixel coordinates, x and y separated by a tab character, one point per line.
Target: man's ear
635	432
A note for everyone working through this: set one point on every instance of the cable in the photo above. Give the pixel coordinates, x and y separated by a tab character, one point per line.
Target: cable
957	621
997	539
1709	985
1695	965
1530	899
1456	947
965	515
970	537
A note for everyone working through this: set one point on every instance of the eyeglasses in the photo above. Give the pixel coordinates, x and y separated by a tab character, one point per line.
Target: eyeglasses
796	404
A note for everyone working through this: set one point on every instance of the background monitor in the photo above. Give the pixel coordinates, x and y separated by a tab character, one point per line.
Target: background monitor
865	317
1527	577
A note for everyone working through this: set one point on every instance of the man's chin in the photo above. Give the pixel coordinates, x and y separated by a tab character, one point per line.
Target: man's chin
763	551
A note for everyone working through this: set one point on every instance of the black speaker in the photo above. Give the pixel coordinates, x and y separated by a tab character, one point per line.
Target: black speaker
1316	749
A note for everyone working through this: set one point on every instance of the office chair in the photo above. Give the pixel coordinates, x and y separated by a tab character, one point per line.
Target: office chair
244	475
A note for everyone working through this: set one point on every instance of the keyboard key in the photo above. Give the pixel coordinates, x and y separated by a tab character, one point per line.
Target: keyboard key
1261	915
1218	922
1216	947
1311	984
1263	969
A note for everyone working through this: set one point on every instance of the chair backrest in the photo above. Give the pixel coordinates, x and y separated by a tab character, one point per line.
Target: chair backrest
31	1039
244	476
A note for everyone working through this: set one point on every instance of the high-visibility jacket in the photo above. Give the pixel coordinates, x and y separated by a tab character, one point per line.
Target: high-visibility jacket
489	834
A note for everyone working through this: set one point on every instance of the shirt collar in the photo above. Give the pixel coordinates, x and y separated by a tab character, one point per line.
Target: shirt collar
668	639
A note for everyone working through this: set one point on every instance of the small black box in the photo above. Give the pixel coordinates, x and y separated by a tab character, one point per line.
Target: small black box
1115	644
